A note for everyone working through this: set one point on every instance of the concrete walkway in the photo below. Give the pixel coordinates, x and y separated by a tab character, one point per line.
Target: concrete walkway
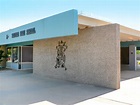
25	88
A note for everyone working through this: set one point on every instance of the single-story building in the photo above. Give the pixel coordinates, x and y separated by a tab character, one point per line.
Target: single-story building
73	47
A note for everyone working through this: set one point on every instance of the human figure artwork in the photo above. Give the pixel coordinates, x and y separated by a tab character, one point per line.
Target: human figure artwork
61	57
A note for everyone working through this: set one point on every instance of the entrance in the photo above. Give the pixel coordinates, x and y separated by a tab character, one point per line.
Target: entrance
124	58
125	55
20	58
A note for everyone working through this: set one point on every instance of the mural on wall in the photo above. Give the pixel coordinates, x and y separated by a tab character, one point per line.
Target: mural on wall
61	57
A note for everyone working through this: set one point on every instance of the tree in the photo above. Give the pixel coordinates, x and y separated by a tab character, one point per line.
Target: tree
2	56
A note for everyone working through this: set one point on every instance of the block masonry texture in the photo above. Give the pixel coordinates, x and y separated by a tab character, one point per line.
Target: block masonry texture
92	57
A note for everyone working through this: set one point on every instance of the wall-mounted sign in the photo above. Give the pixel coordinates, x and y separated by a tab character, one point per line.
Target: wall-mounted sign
61	57
16	34
7	36
30	31
23	33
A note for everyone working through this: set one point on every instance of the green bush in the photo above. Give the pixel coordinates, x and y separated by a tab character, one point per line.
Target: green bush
138	51
2	56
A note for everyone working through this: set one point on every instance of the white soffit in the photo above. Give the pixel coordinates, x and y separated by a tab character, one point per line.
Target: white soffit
126	34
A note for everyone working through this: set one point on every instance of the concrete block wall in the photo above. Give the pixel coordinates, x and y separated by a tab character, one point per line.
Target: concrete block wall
3	63
92	57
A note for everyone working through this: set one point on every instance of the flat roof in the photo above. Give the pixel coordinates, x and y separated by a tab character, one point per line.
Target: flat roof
70	20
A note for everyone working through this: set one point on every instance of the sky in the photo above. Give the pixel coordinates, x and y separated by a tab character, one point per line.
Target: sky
14	13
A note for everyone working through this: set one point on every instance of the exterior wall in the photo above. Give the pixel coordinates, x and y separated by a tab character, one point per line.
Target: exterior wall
3	63
92	57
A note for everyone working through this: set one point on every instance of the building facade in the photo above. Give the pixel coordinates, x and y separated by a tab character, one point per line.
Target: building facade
71	47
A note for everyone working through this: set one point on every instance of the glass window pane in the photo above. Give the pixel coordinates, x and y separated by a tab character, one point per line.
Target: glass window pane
15	55
9	53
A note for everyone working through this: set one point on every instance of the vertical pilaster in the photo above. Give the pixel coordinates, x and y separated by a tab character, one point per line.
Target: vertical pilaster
132	57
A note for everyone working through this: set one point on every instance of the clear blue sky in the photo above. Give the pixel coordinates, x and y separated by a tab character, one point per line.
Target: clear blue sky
14	13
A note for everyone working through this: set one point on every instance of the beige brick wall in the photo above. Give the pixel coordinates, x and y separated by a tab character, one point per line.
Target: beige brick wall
92	57
3	63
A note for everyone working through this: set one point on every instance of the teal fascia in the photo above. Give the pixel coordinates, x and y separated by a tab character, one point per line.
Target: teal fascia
127	44
20	44
63	24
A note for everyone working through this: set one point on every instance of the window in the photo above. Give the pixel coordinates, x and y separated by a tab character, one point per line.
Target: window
15	54
9	58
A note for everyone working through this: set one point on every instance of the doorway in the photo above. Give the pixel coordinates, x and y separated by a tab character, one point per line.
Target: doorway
124	58
20	58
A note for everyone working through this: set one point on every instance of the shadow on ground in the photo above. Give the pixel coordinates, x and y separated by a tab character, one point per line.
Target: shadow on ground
129	74
24	88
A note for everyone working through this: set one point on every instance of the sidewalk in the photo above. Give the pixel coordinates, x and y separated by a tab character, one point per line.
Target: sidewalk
25	88
128	94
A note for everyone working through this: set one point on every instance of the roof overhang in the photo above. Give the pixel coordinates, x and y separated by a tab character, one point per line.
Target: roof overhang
59	25
126	34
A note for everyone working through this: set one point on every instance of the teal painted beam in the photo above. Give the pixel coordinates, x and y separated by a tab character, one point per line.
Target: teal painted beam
20	44
126	44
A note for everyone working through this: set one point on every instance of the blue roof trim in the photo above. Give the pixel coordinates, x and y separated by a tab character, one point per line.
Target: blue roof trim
63	24
127	44
20	44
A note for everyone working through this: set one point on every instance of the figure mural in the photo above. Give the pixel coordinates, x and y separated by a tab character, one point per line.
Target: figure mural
61	58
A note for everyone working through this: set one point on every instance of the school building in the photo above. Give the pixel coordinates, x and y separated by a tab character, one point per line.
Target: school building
73	47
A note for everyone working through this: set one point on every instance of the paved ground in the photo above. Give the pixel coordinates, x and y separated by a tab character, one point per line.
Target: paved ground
25	88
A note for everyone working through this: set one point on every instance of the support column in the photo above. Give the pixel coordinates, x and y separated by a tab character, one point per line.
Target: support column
132	57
